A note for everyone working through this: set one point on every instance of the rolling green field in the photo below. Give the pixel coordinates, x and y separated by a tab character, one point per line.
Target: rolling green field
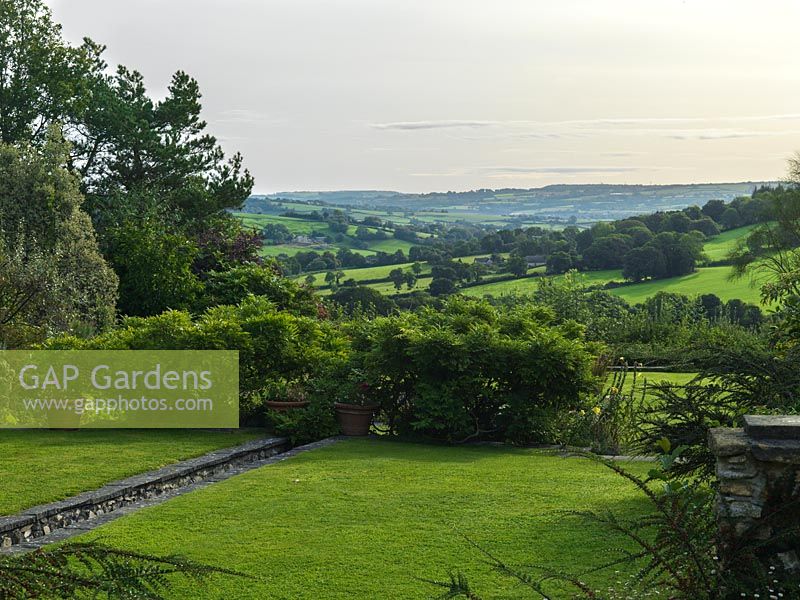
278	249
368	273
704	281
385	287
710	280
308	227
382	272
292	249
296	226
720	246
529	285
390	246
372	518
41	466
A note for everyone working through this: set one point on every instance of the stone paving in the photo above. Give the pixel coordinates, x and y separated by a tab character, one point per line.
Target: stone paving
93	521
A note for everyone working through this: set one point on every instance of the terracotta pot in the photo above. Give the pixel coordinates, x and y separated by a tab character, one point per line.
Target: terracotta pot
285	406
354	419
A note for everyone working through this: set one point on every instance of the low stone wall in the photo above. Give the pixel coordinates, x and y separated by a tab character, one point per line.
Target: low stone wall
41	520
755	465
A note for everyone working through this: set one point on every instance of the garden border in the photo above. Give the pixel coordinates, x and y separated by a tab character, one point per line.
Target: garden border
24	529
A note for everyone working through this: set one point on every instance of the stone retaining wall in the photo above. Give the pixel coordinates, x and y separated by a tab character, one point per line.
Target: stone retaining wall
754	464
41	520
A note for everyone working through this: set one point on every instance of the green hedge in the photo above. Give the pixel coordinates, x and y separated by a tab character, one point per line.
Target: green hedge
273	344
472	371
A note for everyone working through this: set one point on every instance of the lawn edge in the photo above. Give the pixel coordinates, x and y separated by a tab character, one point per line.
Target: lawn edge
43	524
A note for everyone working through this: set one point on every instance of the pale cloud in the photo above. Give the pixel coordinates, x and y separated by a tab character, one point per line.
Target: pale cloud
674	120
558	170
693	128
512	170
621	154
724	135
423	125
402	94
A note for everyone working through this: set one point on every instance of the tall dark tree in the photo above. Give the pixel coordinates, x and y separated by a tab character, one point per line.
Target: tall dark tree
714	209
155	150
607	252
559	262
641	263
143	163
517	265
730	219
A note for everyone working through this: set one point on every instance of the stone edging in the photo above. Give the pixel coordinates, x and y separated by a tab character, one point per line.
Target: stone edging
41	521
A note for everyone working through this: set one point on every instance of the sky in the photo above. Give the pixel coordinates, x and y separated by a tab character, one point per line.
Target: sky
436	95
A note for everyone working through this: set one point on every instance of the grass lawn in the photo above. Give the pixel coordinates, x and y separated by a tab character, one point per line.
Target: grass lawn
367	518
292	249
40	466
471	259
645	380
386	287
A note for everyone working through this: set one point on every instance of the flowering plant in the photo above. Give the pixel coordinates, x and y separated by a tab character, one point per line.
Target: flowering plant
606	425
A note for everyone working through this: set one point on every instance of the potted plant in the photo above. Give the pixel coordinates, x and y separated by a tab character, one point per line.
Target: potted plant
355	415
284	396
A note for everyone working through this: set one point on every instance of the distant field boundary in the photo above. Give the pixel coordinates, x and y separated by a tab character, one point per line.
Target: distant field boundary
509	277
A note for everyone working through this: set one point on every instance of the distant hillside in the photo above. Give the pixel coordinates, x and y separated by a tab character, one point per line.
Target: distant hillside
583	203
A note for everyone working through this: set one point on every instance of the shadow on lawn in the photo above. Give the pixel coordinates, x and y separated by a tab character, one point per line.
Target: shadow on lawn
437	452
417	450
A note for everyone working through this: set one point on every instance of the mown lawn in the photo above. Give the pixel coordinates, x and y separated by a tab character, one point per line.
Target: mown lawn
40	466
644	381
368	518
